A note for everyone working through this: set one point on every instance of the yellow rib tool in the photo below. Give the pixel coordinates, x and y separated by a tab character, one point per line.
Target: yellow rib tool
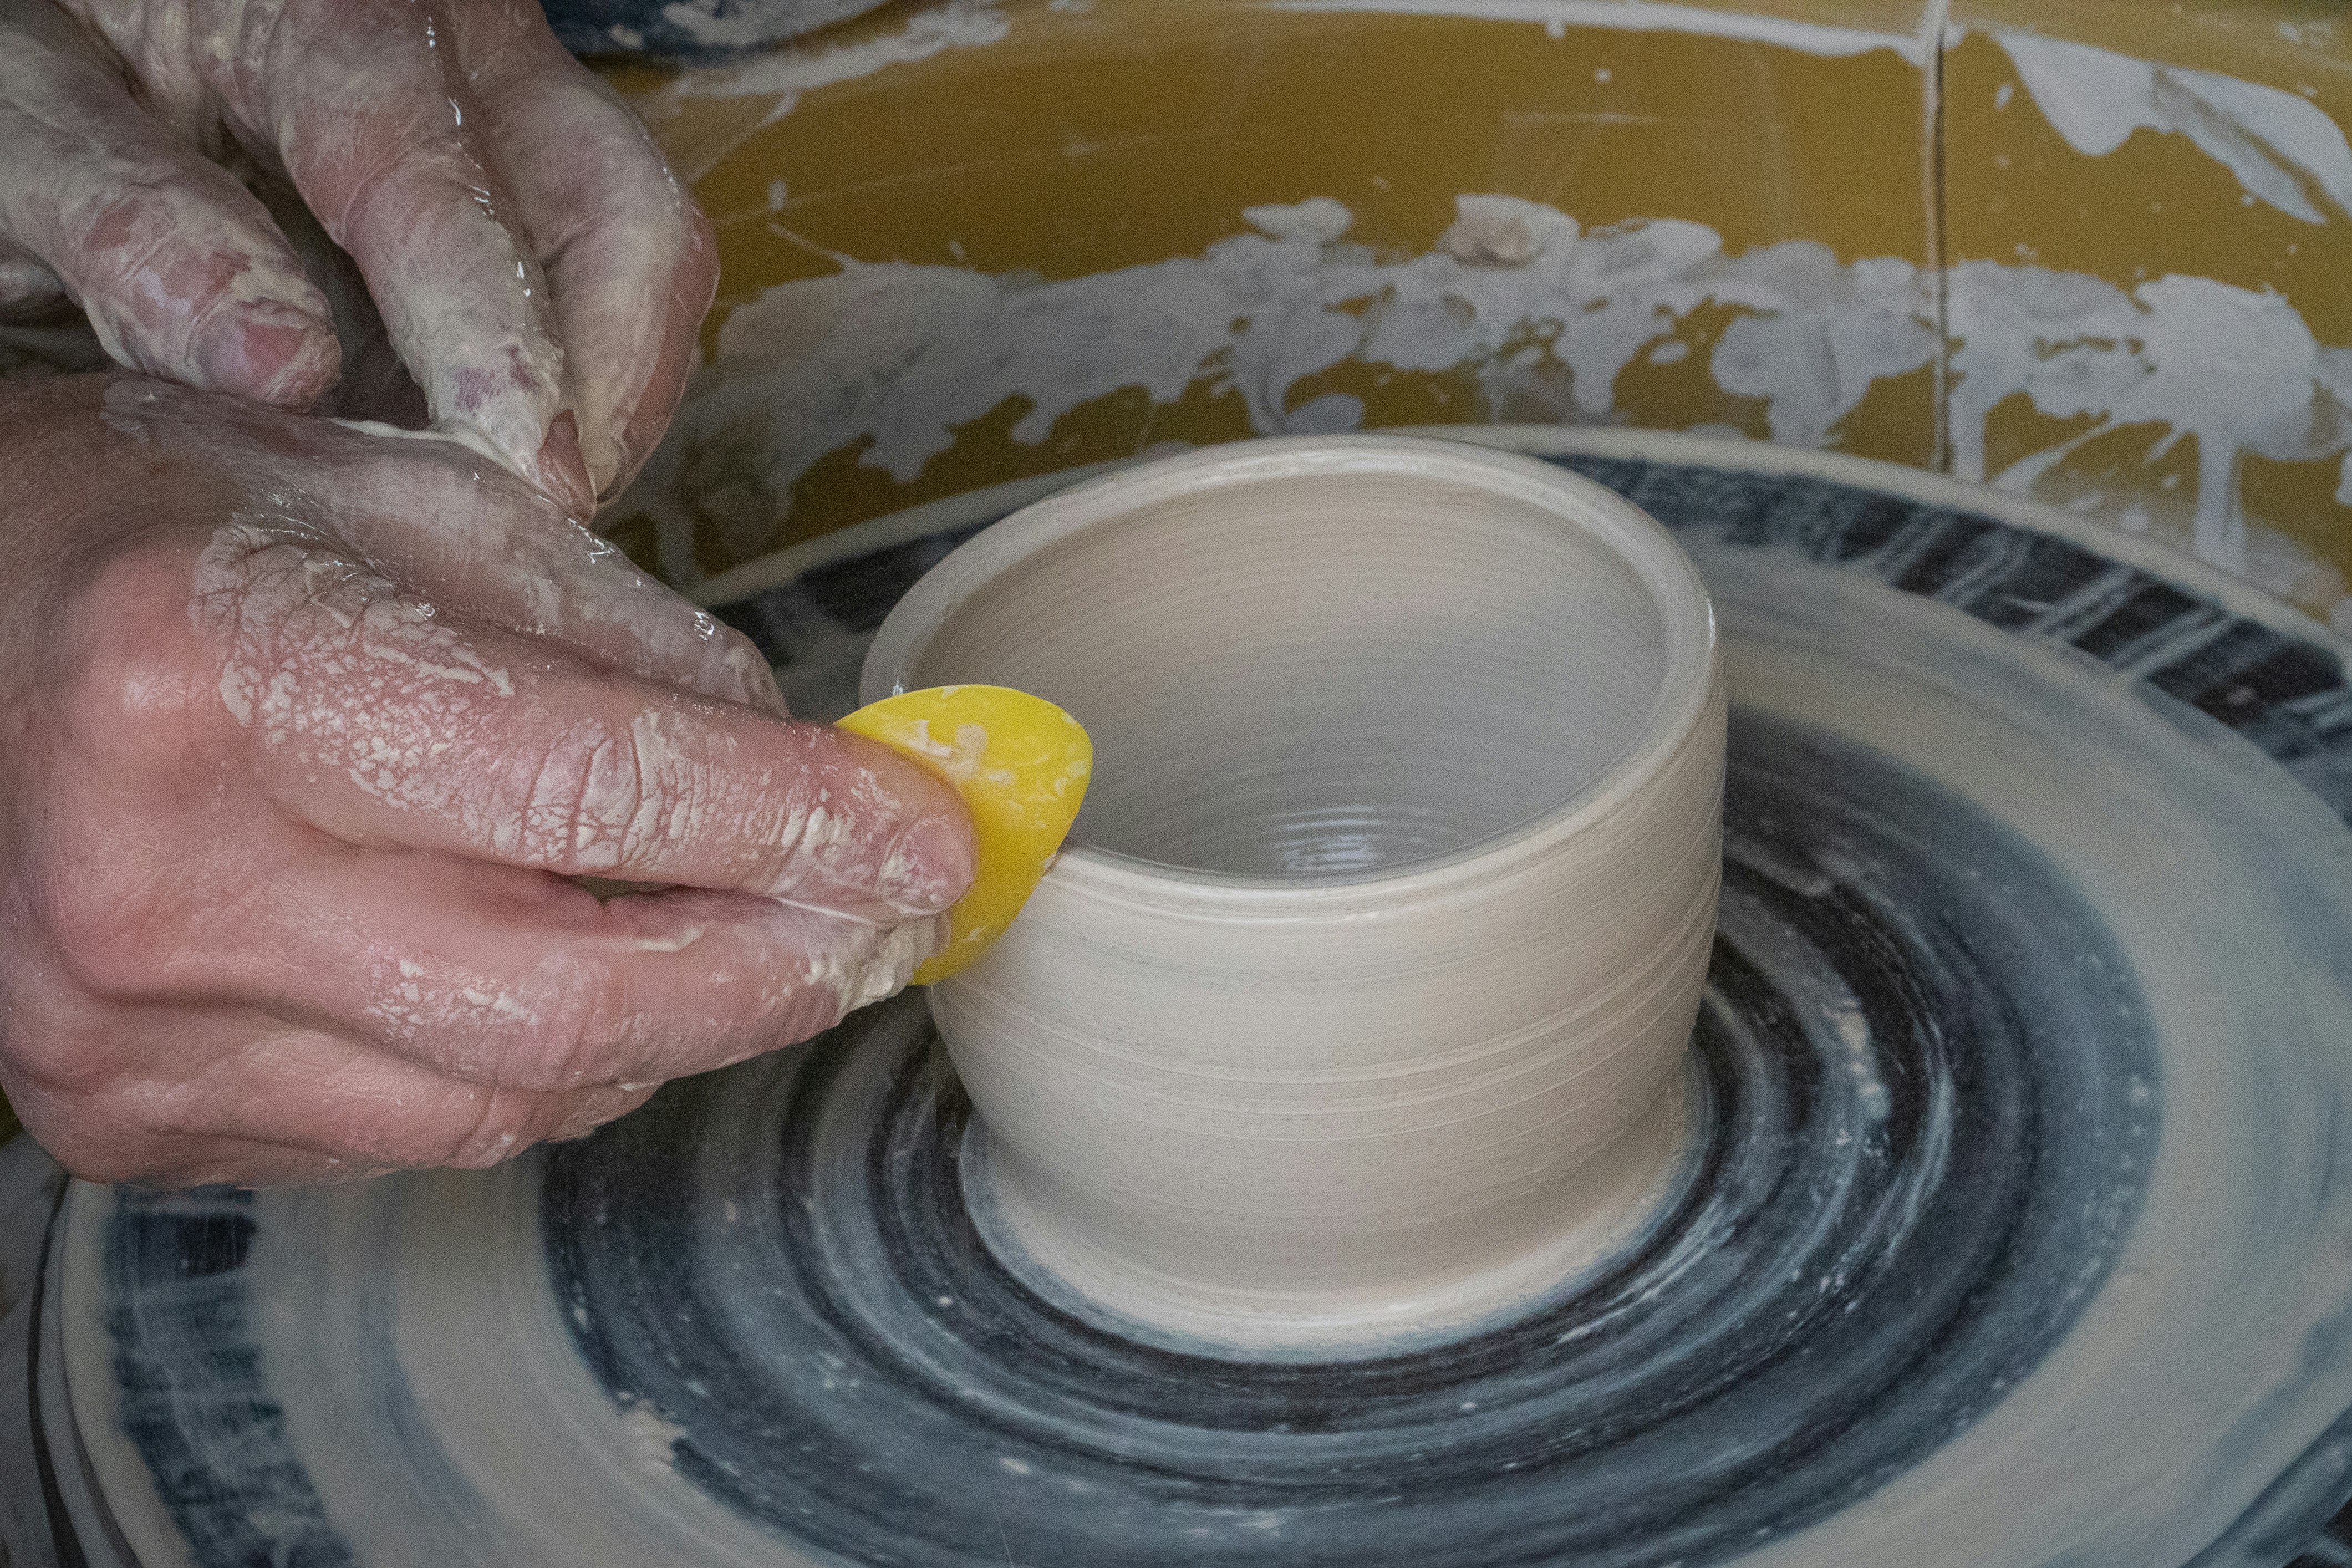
1021	765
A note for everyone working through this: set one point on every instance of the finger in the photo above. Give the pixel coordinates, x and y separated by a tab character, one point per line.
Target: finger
382	725
520	981
481	546
271	1105
460	532
630	260
357	1107
178	266
364	104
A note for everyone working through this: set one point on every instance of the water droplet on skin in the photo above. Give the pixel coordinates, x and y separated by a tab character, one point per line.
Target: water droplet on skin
704	625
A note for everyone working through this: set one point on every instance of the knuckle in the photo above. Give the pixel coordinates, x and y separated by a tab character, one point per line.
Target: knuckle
110	938
112	238
109	921
575	1020
592	1025
135	674
606	795
496	1129
558	1027
128	739
586	801
263	587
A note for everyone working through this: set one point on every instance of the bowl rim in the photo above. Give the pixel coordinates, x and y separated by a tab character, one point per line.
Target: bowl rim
1689	686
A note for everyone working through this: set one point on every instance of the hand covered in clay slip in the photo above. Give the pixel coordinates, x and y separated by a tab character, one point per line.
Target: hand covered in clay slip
535	266
305	732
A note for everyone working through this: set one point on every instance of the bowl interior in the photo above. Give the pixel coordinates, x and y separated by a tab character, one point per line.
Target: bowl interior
1326	675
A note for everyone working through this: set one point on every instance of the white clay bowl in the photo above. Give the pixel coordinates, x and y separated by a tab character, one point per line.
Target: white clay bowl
1358	1004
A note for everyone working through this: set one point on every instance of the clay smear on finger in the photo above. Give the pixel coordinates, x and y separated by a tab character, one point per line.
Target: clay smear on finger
531	568
397	725
284	602
630	260
365	104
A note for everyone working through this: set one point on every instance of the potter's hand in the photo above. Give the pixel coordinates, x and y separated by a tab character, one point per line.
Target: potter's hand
539	271
303	732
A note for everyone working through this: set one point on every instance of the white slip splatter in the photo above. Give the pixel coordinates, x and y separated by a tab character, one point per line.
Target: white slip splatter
2284	150
1543	314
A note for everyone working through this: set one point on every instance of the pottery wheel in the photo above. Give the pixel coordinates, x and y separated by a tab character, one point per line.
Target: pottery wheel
2017	1227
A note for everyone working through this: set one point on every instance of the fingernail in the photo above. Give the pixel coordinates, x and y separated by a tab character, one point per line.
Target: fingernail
560	468
929	868
267	350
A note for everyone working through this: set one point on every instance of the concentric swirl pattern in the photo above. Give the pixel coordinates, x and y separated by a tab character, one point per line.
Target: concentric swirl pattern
1958	1272
1926	1093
